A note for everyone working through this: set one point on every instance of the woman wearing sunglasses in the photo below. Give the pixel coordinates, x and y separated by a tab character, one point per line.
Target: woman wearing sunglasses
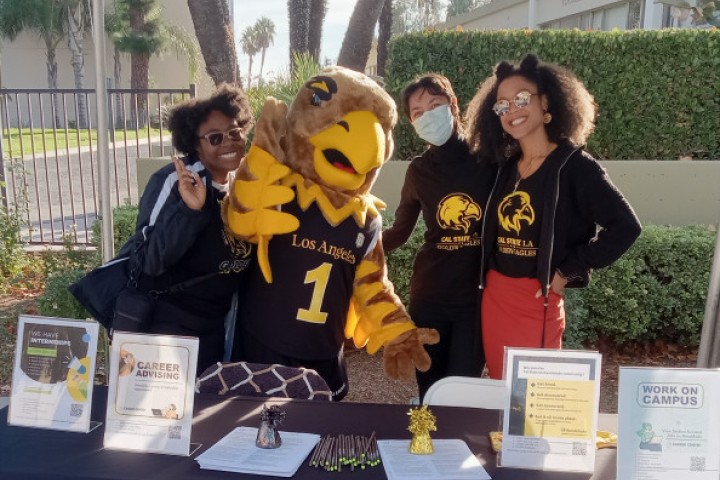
555	213
448	186
180	243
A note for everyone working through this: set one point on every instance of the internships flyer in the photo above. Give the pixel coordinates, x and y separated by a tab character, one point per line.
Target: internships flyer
551	419
53	373
669	423
150	395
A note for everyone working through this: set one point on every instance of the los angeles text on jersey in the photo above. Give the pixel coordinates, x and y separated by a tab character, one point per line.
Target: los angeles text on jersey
323	246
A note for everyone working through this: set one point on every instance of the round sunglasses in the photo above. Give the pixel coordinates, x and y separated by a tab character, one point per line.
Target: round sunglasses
521	100
218	138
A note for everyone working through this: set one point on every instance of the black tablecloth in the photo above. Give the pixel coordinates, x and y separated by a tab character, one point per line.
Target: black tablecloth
30	453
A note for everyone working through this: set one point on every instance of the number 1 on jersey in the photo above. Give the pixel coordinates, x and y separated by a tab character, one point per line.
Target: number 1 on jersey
319	276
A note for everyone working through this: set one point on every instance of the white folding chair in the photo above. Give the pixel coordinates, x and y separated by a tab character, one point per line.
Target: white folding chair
467	392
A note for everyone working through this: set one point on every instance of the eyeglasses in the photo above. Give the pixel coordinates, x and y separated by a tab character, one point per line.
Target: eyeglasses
218	138
521	100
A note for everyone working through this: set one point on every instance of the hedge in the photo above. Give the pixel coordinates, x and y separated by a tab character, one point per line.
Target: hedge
658	91
657	290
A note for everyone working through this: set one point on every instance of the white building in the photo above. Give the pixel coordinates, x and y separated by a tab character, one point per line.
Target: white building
24	62
582	14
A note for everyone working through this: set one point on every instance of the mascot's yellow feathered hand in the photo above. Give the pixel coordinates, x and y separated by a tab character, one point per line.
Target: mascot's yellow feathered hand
318	159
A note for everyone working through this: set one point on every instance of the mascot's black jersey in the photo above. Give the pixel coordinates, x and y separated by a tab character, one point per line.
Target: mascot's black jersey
319	261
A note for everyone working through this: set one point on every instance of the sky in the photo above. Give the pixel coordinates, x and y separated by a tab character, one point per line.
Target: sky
247	12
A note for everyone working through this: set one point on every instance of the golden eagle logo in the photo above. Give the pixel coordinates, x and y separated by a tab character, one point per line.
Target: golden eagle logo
514	209
456	211
323	89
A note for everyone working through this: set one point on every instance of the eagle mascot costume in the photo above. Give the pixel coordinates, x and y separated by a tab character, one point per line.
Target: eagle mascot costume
302	195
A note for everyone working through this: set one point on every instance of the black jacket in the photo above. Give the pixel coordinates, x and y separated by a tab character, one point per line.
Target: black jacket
176	244
449	187
579	198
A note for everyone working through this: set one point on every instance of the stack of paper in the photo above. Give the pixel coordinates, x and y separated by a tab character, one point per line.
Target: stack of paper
236	452
451	460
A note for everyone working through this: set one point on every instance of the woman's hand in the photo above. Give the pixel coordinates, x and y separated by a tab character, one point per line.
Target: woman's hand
191	187
557	285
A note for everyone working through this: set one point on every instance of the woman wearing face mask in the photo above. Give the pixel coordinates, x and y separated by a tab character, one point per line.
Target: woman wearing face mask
556	214
448	186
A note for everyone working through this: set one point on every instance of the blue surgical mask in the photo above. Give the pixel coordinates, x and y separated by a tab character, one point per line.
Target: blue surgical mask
435	126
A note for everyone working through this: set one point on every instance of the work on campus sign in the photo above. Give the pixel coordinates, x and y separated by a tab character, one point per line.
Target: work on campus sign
669	423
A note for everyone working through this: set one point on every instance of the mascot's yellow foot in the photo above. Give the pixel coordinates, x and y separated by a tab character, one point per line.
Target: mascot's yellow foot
405	353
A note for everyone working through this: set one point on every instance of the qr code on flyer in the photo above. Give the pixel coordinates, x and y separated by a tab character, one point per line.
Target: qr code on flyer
174	432
579	448
76	410
697	464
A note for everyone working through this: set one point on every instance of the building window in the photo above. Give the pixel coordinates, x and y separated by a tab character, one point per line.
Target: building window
622	16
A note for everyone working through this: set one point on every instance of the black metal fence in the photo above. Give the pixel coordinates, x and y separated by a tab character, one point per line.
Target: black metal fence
48	154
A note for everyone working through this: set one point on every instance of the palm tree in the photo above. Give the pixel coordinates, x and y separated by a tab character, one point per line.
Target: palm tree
214	33
299	27
384	33
318	9
358	37
250	47
265	31
79	17
47	18
136	27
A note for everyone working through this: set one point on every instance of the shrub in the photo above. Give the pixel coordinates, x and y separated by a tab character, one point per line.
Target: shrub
64	268
57	301
655	89
657	290
400	261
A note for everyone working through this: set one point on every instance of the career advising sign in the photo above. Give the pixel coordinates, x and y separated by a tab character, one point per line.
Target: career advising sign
150	396
669	423
53	373
551	420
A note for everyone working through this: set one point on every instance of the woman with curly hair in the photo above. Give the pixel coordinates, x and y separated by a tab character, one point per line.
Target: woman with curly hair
180	247
556	214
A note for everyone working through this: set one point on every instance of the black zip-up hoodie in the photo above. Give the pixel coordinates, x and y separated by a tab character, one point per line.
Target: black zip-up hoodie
579	198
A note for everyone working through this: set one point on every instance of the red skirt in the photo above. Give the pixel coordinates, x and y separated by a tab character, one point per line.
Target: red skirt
513	317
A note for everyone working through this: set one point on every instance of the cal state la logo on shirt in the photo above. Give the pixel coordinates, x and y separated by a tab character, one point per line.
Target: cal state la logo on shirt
514	210
458	212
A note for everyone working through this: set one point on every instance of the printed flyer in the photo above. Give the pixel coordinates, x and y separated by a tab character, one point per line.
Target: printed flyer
53	373
669	423
151	393
551	419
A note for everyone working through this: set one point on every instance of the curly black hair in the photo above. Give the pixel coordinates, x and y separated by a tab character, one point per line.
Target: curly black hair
436	84
185	118
572	107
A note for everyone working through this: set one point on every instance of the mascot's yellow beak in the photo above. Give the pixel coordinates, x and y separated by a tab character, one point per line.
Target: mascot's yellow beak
347	151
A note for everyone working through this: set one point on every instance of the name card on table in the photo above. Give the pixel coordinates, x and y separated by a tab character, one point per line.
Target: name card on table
669	423
53	373
551	419
151	393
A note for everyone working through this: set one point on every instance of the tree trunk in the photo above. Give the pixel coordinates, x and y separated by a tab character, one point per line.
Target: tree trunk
358	37
262	65
250	58
384	33
52	72
139	71
318	9
213	29
299	25
76	35
117	76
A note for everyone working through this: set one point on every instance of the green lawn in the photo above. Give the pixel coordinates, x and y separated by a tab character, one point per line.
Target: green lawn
23	142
